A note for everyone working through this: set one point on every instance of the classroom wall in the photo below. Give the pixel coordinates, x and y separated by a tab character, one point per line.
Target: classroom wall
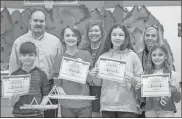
169	17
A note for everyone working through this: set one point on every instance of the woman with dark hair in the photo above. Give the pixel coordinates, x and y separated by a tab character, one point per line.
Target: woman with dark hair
118	99
94	43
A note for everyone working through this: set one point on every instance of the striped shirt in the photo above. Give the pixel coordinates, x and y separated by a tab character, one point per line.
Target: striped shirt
49	48
39	87
94	53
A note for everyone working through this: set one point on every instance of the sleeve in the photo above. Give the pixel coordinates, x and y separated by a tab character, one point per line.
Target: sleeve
14	62
97	81
137	68
83	45
44	84
57	63
89	59
176	96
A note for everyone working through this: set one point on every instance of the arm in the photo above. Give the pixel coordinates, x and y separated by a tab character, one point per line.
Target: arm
134	77
138	69
57	63
175	89
96	81
89	77
44	89
14	61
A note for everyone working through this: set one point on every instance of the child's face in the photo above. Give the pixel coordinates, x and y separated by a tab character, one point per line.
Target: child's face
117	37
151	37
28	59
158	57
70	38
94	33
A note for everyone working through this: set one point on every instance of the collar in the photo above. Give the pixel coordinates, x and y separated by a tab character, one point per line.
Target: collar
30	33
120	51
33	69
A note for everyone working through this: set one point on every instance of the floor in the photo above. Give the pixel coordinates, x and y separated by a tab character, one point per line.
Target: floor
6	109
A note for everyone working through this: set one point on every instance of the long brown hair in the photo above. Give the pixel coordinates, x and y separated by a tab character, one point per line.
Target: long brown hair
151	66
127	42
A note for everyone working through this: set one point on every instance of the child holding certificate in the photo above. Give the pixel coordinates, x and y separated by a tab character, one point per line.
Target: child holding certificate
94	43
39	85
74	108
118	98
158	64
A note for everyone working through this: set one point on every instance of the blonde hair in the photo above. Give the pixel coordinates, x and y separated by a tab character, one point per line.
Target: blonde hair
166	65
160	37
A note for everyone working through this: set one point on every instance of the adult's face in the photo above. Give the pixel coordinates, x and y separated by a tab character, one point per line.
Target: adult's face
151	37
37	22
94	33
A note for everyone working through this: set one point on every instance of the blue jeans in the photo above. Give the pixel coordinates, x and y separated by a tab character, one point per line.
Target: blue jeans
83	112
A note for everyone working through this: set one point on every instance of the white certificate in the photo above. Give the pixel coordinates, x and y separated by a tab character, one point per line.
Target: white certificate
15	84
74	70
155	85
110	69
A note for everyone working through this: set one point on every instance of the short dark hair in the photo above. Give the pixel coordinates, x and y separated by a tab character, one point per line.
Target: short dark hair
75	30
27	47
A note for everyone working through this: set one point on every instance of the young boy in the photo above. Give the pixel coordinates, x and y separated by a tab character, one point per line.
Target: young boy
39	85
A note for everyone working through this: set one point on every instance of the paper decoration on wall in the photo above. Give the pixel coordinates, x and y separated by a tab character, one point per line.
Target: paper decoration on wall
6	49
152	20
95	15
119	13
143	13
109	20
137	40
26	15
6	21
49	20
12	26
19	27
79	12
131	16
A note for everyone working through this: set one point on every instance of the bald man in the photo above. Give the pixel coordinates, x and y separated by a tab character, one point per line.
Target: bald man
49	49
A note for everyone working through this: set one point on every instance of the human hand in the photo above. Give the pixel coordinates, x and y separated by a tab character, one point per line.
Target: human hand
138	86
14	99
129	77
94	72
172	84
61	91
163	101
